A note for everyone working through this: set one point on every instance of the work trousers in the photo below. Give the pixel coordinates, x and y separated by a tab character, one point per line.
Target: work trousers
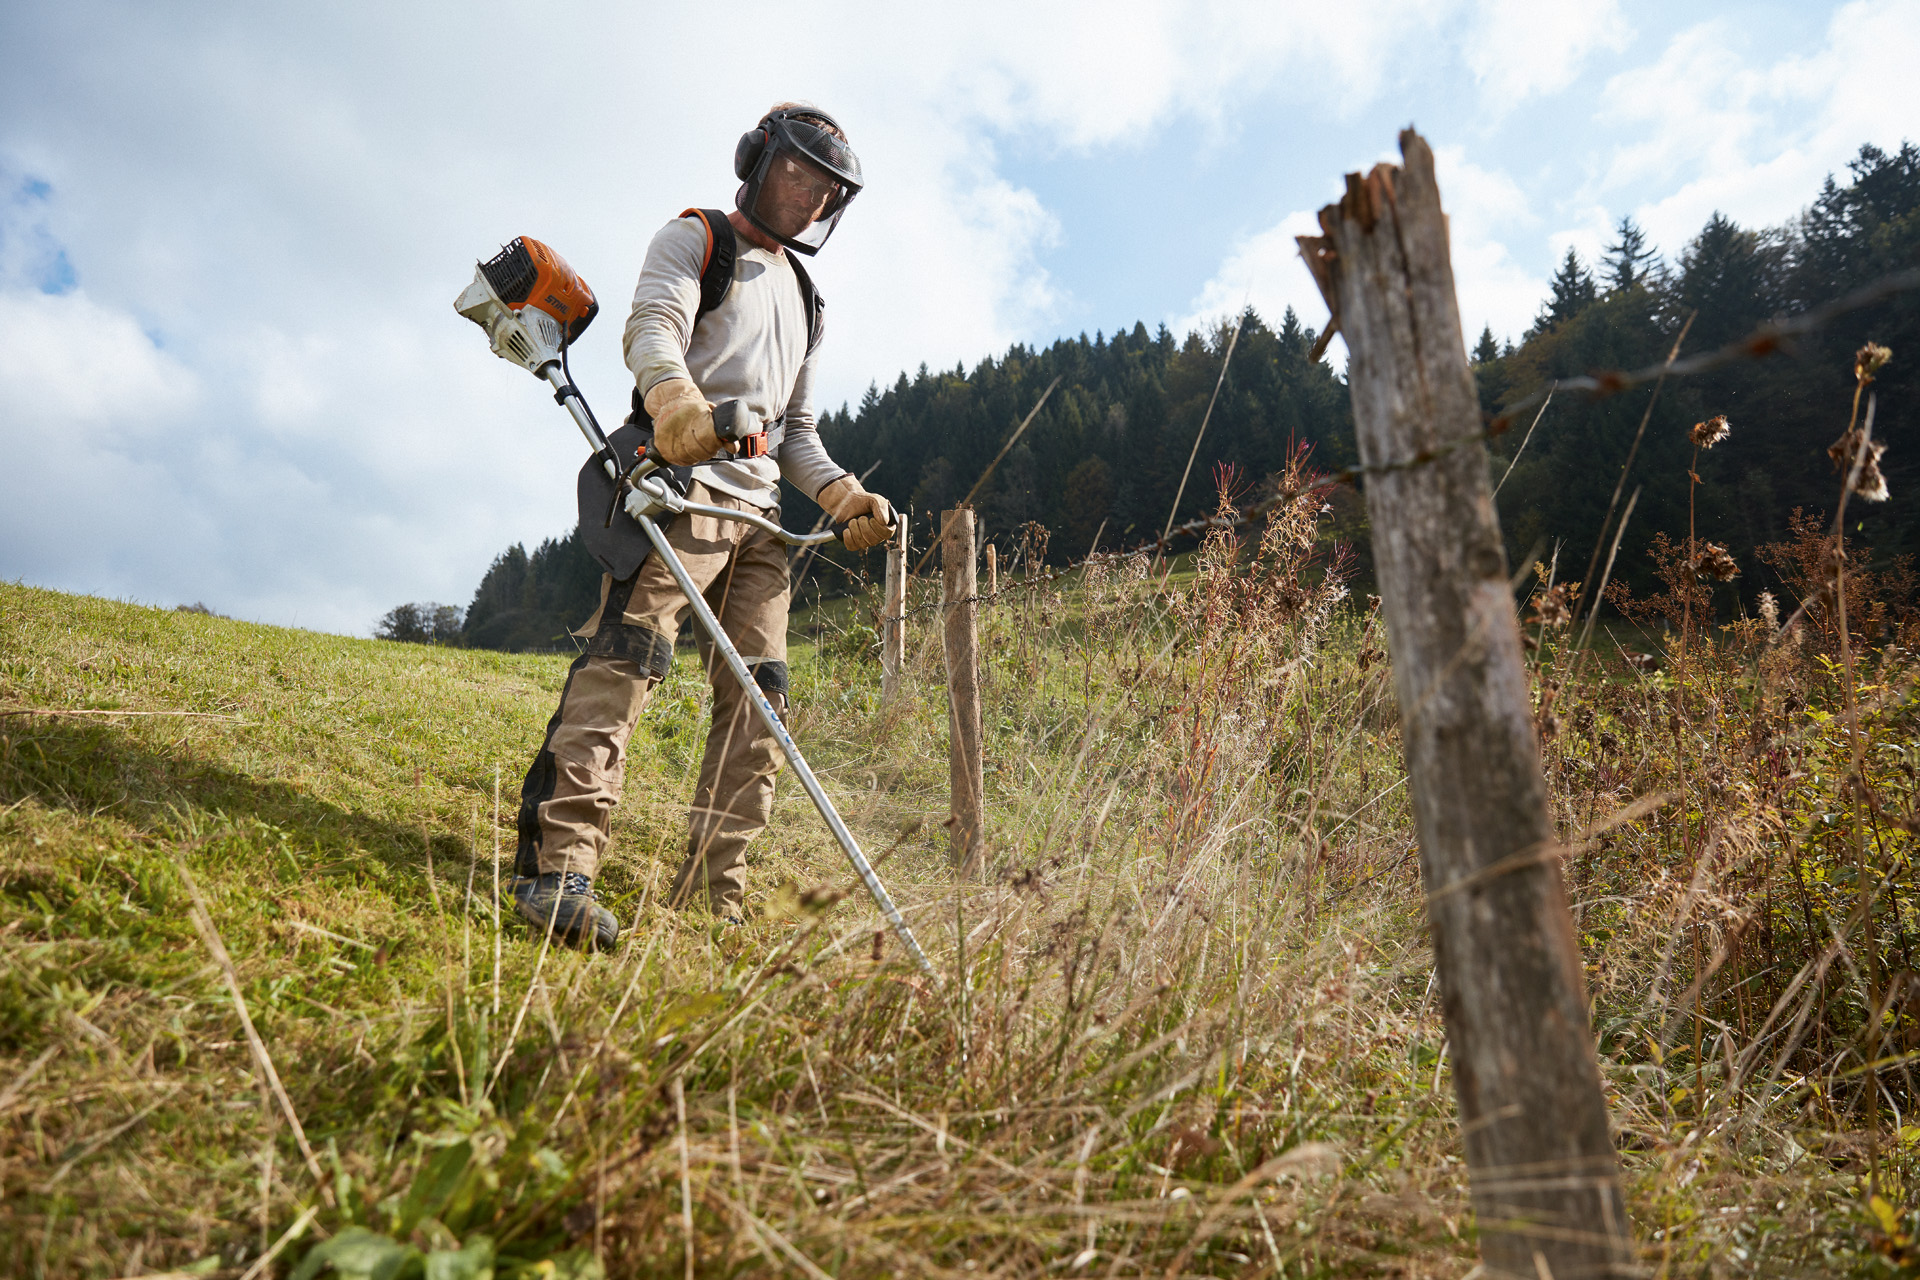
568	797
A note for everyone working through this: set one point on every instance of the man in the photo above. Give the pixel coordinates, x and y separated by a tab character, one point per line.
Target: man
797	175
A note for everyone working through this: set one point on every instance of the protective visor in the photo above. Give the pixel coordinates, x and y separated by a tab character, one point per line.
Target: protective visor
804	181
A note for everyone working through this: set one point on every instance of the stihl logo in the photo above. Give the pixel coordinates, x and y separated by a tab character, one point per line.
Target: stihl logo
557	305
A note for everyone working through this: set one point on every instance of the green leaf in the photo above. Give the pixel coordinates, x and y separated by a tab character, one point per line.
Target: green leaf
474	1262
434	1185
360	1254
575	1264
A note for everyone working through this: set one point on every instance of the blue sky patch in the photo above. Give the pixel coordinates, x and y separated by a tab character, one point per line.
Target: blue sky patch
30	254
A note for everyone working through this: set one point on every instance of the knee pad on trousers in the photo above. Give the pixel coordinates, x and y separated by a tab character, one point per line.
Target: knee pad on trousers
646	649
772	679
543	776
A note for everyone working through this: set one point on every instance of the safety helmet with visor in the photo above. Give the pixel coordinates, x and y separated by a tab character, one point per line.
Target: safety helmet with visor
797	176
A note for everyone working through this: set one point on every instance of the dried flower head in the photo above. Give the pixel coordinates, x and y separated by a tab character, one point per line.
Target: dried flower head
1711	432
1550	608
1868	359
1713	561
1769	611
1871	484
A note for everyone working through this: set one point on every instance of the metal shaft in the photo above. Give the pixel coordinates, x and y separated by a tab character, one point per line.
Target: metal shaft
771	718
711	625
581	418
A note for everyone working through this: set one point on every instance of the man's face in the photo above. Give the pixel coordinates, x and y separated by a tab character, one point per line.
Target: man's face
794	195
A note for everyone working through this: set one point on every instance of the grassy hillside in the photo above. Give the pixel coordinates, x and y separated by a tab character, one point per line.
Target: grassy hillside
1185	1026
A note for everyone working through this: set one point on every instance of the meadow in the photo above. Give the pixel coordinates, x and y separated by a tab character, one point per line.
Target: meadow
1185	1023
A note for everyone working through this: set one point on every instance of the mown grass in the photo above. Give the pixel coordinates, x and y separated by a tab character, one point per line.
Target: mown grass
1186	1025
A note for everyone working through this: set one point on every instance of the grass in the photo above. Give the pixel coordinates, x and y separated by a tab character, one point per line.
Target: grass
1186	1025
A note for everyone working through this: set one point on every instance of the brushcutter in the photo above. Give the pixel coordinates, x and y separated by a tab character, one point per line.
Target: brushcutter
532	307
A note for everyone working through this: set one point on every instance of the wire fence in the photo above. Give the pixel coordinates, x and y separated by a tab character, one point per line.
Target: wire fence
1775	337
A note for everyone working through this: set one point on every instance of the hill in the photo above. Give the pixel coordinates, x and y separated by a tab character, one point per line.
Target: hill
1105	454
1186	1024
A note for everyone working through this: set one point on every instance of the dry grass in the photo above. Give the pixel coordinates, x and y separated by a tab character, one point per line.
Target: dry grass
1186	1027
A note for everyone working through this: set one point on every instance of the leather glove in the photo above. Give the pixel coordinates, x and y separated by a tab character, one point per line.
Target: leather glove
868	516
683	431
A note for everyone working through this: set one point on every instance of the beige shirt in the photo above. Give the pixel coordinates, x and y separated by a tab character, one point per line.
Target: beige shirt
753	348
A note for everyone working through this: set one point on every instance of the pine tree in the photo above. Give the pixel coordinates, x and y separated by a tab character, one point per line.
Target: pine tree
1573	292
1629	261
1726	274
1486	351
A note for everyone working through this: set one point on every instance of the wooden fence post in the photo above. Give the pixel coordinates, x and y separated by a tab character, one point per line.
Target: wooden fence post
893	618
993	572
1546	1186
965	770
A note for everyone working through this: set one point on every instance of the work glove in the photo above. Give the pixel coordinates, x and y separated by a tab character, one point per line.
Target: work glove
683	431
867	516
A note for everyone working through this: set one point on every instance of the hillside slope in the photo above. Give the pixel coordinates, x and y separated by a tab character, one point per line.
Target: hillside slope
1185	1026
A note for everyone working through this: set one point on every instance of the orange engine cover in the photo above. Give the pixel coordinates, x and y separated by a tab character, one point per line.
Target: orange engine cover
529	274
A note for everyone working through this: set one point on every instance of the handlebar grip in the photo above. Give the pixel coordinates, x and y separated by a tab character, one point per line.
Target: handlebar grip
733	421
840	527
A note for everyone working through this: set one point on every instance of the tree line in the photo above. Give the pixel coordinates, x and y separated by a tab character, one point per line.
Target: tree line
1102	460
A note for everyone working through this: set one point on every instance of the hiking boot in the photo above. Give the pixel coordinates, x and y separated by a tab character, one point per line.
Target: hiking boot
566	901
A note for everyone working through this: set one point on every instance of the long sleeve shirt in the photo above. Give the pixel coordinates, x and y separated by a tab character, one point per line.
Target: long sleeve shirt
752	347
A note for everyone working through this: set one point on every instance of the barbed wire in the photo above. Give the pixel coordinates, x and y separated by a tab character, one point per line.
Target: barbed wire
1771	338
1028	582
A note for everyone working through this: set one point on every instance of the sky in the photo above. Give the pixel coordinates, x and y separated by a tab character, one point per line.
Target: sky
231	233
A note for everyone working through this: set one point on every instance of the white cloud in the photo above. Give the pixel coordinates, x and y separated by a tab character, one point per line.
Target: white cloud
1265	269
1718	132
66	363
1520	48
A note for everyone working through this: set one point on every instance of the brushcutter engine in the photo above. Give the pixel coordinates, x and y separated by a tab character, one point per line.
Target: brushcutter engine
530	302
533	306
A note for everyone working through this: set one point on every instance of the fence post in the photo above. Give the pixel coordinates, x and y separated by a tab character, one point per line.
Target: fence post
993	572
1546	1186
893	617
965	770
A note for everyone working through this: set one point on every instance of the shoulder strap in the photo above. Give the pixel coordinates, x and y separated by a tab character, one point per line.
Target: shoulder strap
716	268
812	302
716	274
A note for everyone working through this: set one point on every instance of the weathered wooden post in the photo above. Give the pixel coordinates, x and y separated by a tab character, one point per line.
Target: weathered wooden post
993	572
893	617
1545	1181
965	770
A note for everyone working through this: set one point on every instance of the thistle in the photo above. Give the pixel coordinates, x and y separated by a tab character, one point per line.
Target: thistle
1871	484
1711	432
1868	360
1550	609
1714	561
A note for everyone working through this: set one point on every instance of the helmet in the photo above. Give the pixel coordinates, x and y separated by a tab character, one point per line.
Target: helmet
796	176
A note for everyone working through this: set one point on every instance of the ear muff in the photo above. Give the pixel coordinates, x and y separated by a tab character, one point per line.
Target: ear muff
746	152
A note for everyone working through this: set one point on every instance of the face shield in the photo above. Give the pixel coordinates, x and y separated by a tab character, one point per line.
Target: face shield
803	181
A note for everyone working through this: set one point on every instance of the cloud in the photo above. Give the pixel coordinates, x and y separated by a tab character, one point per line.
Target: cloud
1755	140
1263	271
1265	268
1520	48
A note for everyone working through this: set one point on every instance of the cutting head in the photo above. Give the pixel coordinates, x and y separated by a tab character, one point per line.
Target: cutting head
530	302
